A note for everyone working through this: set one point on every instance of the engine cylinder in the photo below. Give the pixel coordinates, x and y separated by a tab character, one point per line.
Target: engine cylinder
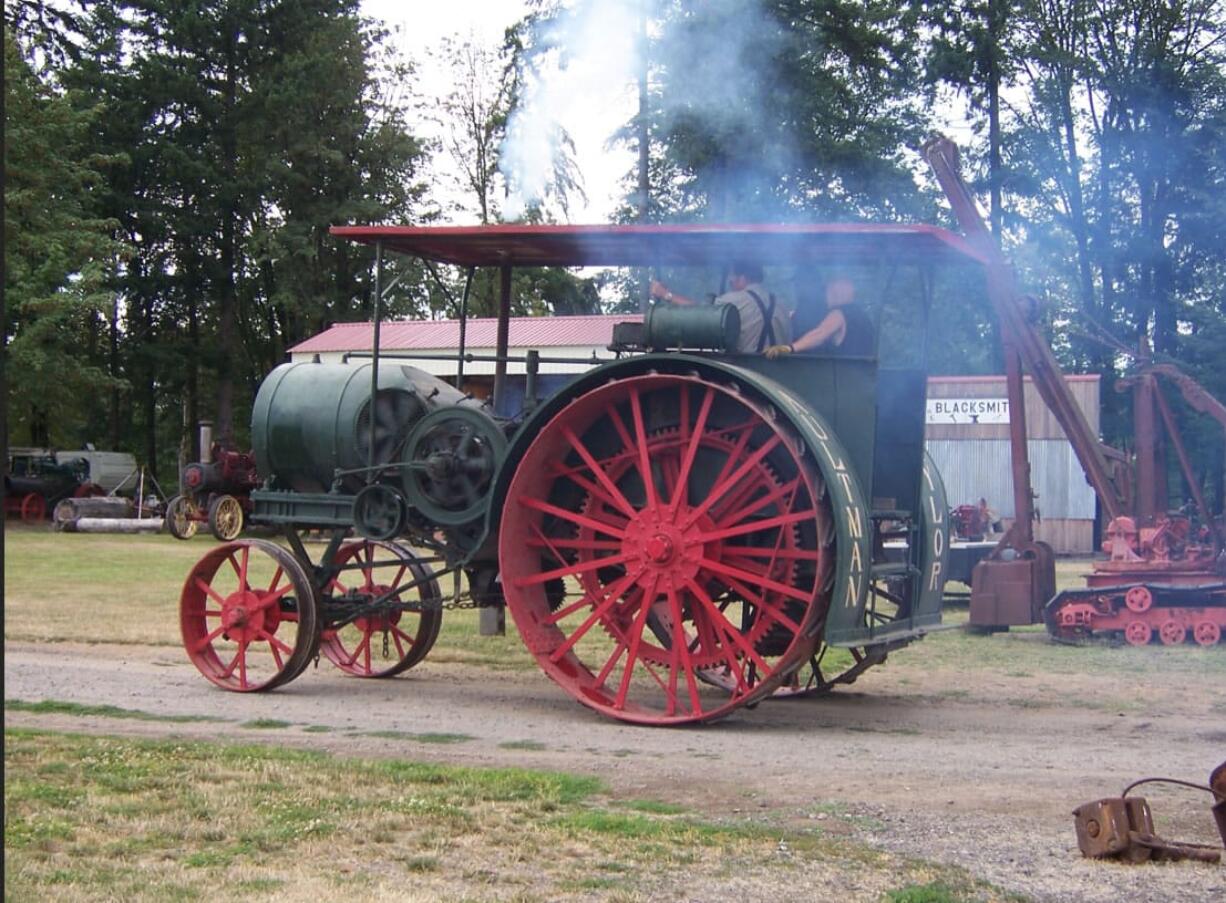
311	420
717	327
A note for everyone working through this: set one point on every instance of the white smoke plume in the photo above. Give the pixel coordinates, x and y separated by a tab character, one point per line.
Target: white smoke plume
590	57
713	56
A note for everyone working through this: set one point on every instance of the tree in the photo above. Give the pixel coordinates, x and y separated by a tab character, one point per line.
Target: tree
473	118
972	50
58	257
251	126
792	109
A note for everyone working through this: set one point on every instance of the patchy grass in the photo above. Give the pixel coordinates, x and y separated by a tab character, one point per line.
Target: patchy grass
266	724
652	806
927	893
58	707
42	597
426	737
533	745
108	818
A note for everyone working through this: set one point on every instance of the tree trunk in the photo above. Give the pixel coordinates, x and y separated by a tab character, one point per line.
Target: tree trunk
644	185
995	29
226	334
113	367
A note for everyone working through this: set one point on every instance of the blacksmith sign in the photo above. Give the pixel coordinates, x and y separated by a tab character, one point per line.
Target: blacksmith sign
967	410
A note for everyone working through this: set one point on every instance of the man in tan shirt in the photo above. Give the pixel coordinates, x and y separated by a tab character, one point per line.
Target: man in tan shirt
764	321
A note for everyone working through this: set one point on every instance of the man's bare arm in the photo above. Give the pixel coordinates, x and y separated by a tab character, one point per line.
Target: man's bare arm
662	291
833	325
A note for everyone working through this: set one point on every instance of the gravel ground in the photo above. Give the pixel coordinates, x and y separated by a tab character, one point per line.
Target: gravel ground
976	770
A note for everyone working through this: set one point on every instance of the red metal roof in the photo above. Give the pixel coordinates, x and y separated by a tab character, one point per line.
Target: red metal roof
595	330
676	245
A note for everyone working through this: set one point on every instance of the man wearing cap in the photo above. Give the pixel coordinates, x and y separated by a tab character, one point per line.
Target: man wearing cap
764	321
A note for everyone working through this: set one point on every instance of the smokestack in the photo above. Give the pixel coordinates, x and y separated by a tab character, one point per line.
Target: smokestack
206	441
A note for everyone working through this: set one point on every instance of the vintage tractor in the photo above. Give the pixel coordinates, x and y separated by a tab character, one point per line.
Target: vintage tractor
680	531
216	491
36	481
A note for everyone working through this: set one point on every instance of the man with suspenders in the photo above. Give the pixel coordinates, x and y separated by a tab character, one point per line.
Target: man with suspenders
764	321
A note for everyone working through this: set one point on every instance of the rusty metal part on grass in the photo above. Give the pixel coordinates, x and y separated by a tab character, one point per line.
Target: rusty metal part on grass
1122	828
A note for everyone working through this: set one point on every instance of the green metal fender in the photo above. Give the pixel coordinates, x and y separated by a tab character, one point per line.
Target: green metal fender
934	545
850	513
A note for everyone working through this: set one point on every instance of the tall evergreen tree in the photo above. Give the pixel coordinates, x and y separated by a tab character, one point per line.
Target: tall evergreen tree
252	126
58	258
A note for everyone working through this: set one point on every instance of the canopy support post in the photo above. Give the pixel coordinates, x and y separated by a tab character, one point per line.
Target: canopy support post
468	284
504	330
374	363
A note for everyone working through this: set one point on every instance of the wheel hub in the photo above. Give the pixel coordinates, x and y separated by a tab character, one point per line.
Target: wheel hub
660	548
242	615
380	620
666	551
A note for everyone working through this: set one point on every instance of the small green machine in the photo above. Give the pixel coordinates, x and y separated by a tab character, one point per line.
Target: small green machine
678	532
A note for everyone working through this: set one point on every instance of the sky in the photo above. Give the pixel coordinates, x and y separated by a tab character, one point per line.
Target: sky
418	27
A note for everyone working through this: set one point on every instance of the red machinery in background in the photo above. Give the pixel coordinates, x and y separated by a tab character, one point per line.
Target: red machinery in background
1164	575
972	523
216	491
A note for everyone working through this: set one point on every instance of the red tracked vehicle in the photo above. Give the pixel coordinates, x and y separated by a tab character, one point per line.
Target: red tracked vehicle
1164	578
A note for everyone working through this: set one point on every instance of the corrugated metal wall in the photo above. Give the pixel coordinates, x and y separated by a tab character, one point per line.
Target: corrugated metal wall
981	468
975	461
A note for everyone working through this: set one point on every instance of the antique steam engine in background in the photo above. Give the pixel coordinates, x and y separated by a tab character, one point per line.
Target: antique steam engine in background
215	491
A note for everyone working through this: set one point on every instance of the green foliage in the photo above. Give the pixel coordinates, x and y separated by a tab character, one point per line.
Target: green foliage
249	128
792	110
925	893
59	256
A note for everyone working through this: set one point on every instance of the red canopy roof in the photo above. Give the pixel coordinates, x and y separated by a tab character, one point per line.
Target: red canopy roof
667	245
595	330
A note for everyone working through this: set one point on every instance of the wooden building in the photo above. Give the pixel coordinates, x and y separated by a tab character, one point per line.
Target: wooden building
967	434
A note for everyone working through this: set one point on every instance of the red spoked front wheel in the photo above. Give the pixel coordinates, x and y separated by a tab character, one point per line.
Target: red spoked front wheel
391	638
33	508
664	549
248	616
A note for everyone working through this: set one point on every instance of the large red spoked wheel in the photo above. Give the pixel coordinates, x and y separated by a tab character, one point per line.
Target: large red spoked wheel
388	641
664	548
248	616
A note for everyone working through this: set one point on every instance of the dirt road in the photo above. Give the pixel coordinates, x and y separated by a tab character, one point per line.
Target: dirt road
976	769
